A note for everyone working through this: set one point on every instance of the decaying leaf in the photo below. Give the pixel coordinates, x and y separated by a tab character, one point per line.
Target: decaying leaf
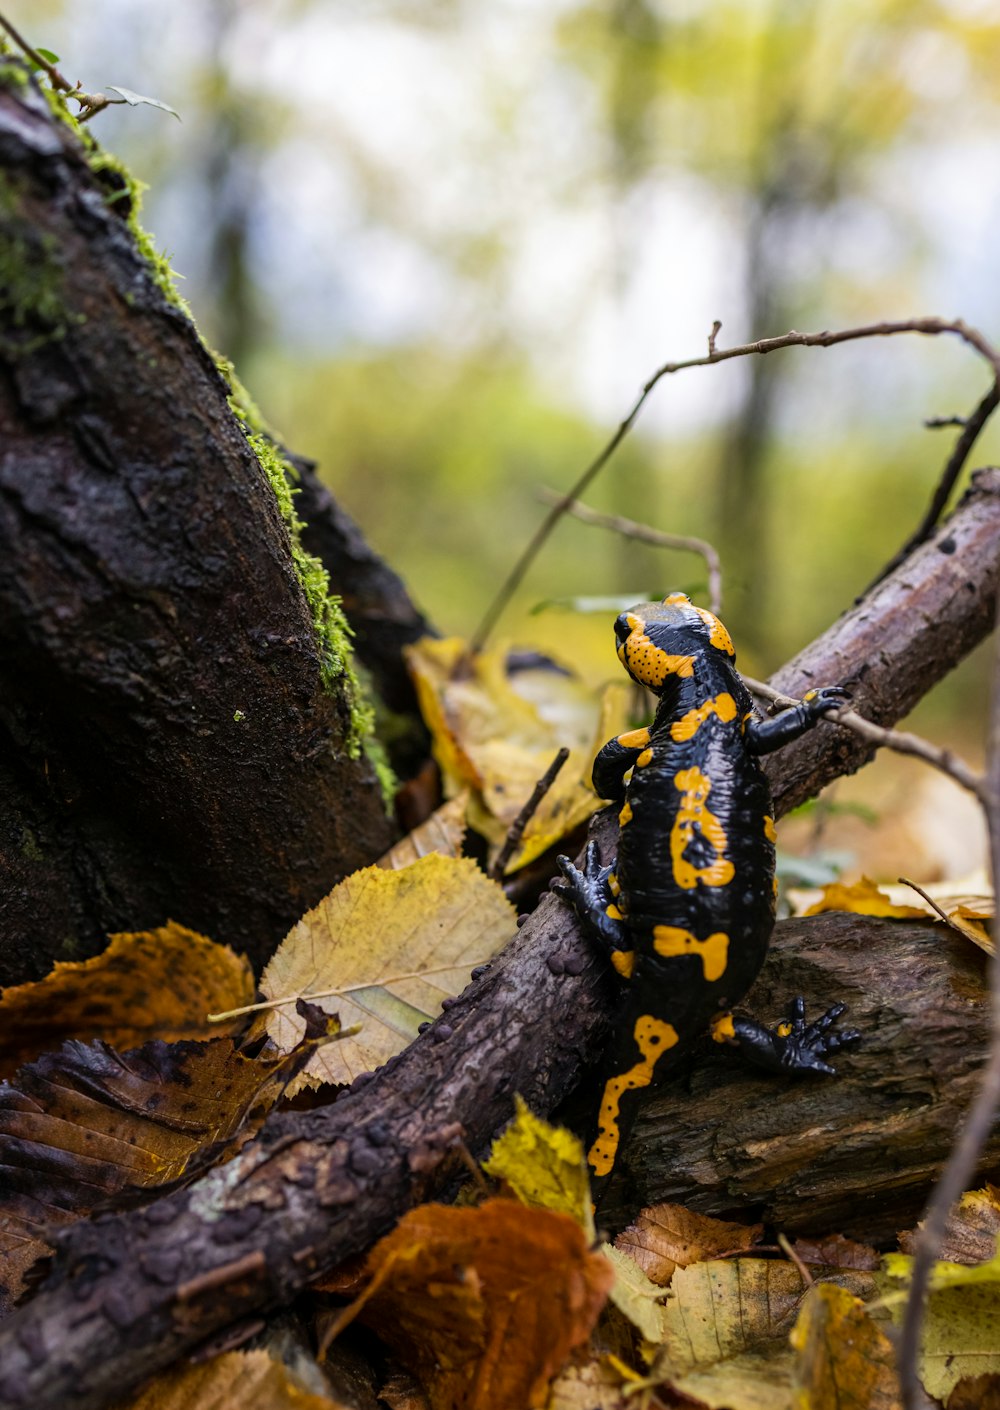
592	1386
837	1252
972	1231
976	1393
86	1124
544	1166
863	898
969	912
390	945
443	832
961	1330
726	1331
668	1236
843	1360
496	732
234	1381
153	984
484	1305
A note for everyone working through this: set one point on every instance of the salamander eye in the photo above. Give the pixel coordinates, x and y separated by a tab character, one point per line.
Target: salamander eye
622	628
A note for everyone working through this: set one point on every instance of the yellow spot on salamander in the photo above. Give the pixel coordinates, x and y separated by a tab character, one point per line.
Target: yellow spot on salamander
613	912
645	661
774	886
724	706
644	758
613	885
634	739
769	831
717	633
625	816
722	1029
694	813
624	962
669	940
652	1037
783	1030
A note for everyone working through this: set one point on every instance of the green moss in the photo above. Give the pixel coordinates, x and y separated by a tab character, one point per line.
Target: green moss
32	310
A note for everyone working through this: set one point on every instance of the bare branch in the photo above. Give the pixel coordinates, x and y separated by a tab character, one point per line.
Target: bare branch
517	827
900	741
928	327
644	533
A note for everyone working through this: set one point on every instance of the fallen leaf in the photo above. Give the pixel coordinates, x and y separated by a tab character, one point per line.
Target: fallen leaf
387	947
863	898
976	1393
837	1252
496	732
233	1381
667	1236
82	1126
843	1360
637	1296
726	1331
961	1328
544	1166
972	1230
963	912
153	984
593	1386
484	1305
443	832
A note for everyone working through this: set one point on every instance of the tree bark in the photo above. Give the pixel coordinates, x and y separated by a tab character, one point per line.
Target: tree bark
130	1293
168	744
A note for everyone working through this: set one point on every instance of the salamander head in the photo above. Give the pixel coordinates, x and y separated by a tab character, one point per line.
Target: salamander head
657	640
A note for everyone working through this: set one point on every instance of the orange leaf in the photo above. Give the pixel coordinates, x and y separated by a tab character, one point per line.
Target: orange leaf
863	898
154	984
484	1305
668	1236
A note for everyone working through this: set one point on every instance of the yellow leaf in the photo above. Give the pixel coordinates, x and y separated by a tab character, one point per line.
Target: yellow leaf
544	1166
843	1360
863	898
390	945
726	1331
667	1236
484	1305
443	832
153	984
633	1294
496	734
233	1381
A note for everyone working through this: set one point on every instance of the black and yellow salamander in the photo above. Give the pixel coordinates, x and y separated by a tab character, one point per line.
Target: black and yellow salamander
687	908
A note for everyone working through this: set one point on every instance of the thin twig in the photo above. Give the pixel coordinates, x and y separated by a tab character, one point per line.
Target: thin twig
90	103
940	423
900	741
971	428
785	1244
716	330
517	827
929	327
646	534
966	1152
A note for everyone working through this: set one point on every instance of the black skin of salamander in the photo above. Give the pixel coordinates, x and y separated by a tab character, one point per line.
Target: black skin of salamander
727	867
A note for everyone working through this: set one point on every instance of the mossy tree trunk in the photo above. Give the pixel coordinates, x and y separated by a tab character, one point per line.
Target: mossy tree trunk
180	731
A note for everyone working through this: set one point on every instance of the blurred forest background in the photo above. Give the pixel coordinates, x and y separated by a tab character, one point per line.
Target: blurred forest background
446	241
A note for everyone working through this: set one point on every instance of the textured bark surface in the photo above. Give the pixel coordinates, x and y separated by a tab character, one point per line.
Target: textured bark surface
167	748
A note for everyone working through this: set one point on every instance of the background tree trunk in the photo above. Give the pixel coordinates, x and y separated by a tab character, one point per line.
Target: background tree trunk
172	741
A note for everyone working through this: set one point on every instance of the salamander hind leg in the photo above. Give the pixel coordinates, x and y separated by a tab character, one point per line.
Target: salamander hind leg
790	1046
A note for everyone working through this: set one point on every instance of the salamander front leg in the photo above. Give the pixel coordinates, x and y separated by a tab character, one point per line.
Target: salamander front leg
792	1045
592	895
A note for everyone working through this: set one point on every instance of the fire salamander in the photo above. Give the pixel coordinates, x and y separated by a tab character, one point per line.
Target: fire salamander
687	908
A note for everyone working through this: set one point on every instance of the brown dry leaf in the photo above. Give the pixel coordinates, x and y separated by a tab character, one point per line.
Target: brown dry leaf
726	1331
234	1381
667	1236
154	984
836	1251
593	1386
496	733
972	1230
843	1360
967	912
863	898
85	1125
976	1393
392	944
484	1305
443	832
